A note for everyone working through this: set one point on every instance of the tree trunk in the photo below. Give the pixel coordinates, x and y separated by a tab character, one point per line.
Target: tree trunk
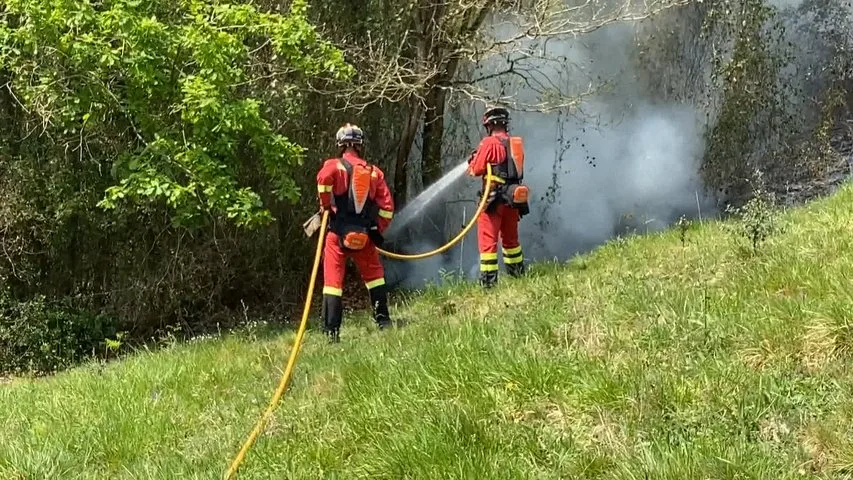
431	48
433	135
436	100
406	140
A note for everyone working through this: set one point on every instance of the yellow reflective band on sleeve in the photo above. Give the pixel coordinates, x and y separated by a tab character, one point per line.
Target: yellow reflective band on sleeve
386	214
512	260
333	291
512	251
375	283
495	179
485	267
324	188
488	256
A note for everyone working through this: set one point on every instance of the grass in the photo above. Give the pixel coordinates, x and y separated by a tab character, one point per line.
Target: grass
649	358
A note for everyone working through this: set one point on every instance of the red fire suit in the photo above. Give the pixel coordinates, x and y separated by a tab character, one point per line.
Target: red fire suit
498	218
333	183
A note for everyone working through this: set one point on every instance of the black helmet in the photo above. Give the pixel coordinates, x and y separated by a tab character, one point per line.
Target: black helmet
495	115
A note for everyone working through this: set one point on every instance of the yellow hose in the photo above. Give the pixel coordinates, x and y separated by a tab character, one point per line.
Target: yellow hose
455	240
288	371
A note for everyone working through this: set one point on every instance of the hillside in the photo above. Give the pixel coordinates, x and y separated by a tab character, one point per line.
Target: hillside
655	357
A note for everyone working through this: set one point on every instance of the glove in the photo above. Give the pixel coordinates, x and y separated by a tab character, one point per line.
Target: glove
312	225
471	157
493	194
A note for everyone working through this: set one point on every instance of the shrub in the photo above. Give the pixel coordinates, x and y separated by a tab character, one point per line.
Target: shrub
757	219
38	336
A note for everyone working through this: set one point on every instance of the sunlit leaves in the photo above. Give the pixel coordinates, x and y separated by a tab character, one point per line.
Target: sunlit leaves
171	87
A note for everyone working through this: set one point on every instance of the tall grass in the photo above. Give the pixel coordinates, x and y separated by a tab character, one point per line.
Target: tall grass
650	358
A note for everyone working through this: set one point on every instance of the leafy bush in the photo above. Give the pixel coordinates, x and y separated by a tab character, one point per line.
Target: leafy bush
170	92
140	139
39	336
757	219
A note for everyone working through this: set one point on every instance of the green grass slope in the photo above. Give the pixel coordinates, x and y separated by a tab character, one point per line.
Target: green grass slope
650	358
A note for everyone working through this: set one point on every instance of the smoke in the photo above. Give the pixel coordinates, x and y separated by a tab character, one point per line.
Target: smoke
785	4
625	162
639	174
431	230
624	159
412	275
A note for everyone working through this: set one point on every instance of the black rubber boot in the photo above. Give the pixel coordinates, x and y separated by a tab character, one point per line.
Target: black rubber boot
379	301
488	279
516	269
333	313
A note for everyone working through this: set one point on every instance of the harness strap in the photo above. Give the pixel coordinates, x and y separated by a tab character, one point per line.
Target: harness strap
511	170
346	202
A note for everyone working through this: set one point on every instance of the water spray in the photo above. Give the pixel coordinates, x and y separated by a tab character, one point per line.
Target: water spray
416	207
457	238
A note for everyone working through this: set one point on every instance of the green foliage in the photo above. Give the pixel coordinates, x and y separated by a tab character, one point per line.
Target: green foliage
39	336
169	92
175	117
749	55
778	72
757	219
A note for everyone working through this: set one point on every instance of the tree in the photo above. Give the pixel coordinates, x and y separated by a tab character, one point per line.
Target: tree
166	92
426	48
179	118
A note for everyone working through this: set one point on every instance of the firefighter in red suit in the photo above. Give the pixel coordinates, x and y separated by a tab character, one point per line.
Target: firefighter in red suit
507	202
361	209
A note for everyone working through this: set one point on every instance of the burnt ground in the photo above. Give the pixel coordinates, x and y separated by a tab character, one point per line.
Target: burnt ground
839	169
796	193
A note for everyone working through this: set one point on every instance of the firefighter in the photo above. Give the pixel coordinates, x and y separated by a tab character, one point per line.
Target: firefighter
361	208
507	202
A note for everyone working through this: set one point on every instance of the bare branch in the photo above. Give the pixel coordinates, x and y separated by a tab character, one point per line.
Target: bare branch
448	35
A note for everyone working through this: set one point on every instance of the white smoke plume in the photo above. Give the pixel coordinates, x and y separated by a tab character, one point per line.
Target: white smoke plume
641	172
625	159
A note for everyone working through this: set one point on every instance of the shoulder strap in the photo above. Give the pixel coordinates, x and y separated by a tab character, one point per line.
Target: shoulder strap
511	170
347	167
358	189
